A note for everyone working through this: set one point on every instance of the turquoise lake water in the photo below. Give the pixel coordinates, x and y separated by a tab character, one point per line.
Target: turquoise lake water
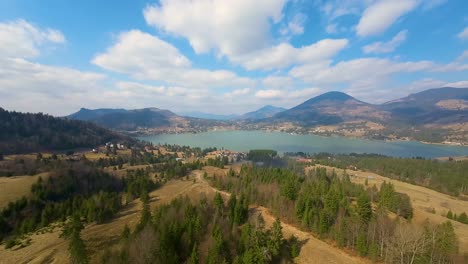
284	142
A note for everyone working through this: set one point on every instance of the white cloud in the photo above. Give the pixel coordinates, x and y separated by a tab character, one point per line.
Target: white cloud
269	94
136	50
227	27
287	95
354	70
303	94
34	87
382	14
277	82
386	47
146	57
132	86
285	55
463	34
334	9
237	92
20	39
459	84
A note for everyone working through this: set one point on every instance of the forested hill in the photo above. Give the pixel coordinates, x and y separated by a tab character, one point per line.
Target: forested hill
27	132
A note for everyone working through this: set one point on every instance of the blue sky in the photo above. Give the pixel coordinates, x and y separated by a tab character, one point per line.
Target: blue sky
223	56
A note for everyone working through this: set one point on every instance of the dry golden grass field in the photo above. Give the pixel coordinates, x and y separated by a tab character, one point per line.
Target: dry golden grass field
13	188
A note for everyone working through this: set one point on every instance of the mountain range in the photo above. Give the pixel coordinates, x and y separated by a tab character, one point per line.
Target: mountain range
264	112
437	109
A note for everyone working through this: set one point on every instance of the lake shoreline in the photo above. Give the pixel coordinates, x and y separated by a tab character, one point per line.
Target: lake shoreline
244	140
221	129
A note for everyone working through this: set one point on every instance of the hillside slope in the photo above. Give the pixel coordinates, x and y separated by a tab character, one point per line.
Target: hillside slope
26	132
435	106
143	119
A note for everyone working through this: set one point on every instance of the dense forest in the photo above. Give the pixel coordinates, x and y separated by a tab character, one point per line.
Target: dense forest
335	209
84	189
447	177
206	232
26	132
74	188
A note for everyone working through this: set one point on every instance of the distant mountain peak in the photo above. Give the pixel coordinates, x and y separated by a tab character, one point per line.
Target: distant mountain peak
264	112
333	95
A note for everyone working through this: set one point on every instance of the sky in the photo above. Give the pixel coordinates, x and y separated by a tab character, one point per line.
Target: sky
224	56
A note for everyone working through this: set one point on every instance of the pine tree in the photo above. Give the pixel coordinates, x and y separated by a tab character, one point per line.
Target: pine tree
76	245
364	208
463	218
218	201
450	214
276	240
361	243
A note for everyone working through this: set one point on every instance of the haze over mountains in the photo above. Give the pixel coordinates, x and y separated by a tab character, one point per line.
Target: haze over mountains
432	113
441	105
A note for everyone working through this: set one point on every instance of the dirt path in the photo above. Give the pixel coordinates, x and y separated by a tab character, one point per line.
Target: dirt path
313	250
50	248
423	201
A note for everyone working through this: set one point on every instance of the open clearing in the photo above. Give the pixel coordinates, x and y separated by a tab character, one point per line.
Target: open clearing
13	188
423	201
50	248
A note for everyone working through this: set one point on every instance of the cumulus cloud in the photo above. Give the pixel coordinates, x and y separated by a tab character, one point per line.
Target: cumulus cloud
268	94
133	86
227	27
357	69
287	95
21	39
285	55
277	82
463	34
146	57
36	87
386	47
459	84
237	92
382	14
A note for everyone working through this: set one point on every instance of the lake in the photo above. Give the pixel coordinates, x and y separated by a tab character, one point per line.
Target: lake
284	142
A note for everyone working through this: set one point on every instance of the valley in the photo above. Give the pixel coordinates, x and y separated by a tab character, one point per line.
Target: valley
47	245
234	132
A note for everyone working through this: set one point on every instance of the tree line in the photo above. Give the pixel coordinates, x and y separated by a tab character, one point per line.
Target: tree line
356	218
446	177
205	232
27	132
